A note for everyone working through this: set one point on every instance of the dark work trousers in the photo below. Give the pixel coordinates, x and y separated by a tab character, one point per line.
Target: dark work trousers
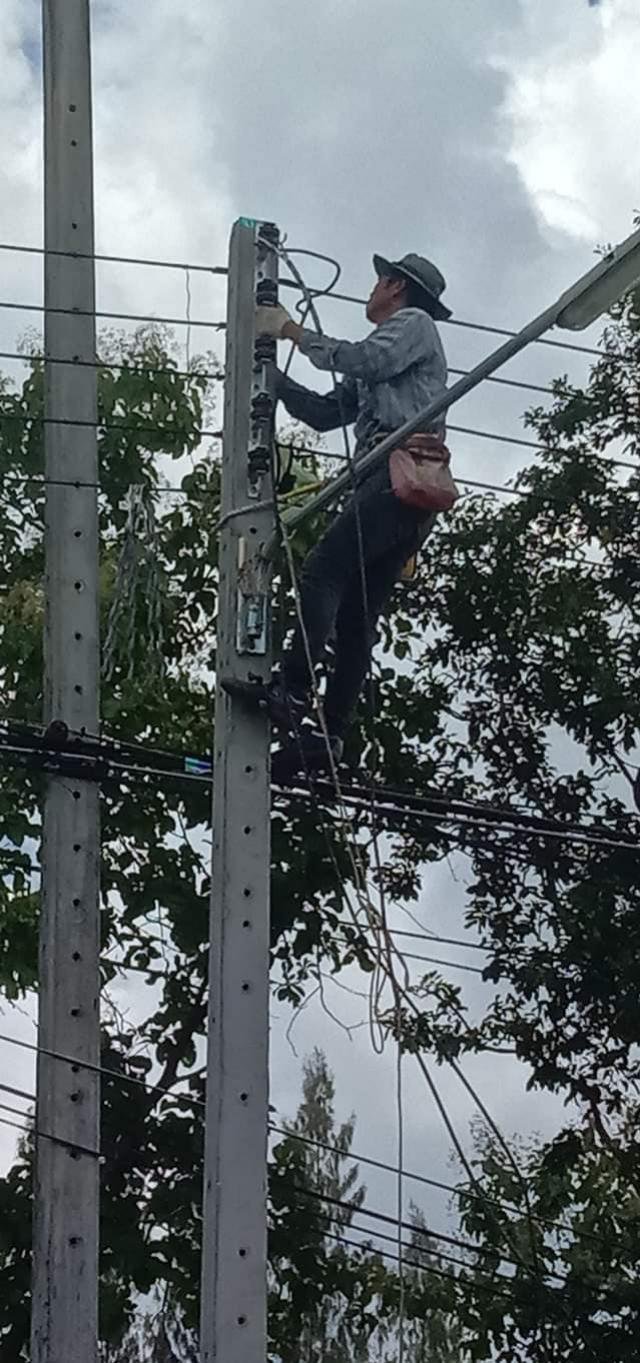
331	591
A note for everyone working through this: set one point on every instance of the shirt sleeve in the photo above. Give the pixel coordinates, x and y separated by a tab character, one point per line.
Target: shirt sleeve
321	411
408	337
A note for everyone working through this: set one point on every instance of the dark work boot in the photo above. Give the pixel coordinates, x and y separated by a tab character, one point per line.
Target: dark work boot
285	709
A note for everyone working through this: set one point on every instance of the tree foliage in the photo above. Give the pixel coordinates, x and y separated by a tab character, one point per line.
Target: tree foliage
522	691
578	1230
332	1298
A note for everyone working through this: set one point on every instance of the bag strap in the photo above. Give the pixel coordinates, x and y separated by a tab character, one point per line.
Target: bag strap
431	447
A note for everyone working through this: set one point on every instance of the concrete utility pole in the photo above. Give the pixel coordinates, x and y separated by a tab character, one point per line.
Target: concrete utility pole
65	1265
234	1267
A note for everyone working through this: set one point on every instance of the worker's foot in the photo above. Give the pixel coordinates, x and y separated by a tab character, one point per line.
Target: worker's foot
308	753
286	709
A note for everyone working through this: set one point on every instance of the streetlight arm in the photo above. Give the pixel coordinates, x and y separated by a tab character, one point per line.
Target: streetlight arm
577	307
343	481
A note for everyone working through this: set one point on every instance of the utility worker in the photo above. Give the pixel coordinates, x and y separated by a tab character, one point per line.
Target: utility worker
386	379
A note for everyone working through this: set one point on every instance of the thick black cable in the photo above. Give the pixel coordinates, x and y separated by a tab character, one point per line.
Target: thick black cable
437	801
439	807
432	803
465	821
406	804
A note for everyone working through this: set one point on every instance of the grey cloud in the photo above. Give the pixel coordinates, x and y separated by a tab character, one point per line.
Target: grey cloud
363	127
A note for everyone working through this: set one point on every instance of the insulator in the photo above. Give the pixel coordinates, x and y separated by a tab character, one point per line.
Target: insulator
265	349
267	293
270	232
261	406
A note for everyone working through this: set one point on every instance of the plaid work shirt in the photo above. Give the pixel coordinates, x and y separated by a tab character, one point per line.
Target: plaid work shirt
387	379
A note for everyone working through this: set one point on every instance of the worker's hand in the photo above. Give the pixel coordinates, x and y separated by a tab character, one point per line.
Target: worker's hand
270	321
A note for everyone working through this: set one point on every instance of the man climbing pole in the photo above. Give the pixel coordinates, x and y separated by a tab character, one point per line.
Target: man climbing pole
347	579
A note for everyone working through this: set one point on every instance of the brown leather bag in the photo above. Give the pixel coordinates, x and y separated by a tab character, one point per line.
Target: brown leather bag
420	474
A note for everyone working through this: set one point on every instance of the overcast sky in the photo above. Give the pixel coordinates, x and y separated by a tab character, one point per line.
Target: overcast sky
499	137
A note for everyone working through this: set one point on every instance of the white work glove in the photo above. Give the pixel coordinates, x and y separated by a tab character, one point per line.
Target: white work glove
271	320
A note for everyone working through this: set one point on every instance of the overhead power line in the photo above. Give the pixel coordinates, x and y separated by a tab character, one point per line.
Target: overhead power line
221	270
46	1136
117	316
443	1257
26	1128
426	1234
468	1286
452	965
202	433
116	260
300	451
27	357
435	937
363	1210
18	1093
116	756
104	1070
16	1111
438	1184
353	1155
127	367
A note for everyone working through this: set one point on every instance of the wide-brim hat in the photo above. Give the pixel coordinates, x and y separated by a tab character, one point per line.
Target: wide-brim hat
424	274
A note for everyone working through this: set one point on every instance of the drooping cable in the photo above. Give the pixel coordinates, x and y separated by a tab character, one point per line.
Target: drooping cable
377	921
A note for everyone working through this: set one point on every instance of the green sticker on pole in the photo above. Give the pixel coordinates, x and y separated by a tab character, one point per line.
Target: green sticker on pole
247	222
